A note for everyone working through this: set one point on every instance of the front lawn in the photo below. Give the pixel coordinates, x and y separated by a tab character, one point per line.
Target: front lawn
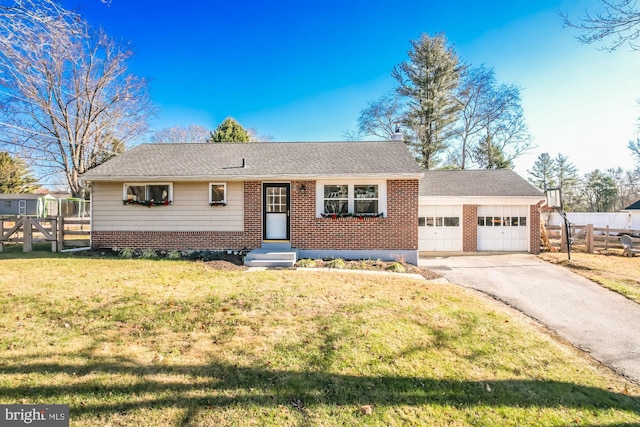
163	343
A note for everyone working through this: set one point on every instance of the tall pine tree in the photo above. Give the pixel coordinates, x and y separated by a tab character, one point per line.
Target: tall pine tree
429	80
566	177
543	172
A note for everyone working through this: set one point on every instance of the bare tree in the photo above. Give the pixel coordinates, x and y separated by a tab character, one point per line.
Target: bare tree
628	185
634	146
381	117
506	136
191	133
491	131
254	136
473	95
619	20
350	135
68	101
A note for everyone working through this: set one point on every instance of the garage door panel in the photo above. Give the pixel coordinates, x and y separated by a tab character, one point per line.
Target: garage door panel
440	228
503	228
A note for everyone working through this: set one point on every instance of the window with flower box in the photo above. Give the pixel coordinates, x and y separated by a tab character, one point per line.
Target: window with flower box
336	199
344	199
218	194
365	199
148	194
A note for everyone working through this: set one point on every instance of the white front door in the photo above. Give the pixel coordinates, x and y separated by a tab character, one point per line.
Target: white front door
503	228
440	228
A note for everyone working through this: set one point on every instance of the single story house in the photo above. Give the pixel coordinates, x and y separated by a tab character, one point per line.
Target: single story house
321	199
478	210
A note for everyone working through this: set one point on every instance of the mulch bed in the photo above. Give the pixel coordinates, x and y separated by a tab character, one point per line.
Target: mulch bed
230	262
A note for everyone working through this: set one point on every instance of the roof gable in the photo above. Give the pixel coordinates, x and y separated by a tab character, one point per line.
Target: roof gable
633	206
260	160
476	183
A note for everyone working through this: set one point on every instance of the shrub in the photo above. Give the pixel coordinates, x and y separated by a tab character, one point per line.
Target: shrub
149	254
306	263
174	255
336	263
126	253
396	267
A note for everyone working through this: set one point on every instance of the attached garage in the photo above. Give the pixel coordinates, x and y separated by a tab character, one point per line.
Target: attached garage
440	228
478	210
503	228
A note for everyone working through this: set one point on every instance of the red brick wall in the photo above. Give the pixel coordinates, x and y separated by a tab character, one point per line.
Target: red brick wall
179	240
469	228
534	228
253	214
399	230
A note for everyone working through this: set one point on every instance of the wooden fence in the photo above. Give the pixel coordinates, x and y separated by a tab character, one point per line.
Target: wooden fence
59	231
587	238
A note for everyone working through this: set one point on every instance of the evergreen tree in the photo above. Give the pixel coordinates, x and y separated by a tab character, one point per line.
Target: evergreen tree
491	156
543	172
566	177
14	175
600	192
429	80
229	131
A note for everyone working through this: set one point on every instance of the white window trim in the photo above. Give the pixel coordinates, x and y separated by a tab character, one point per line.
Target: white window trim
146	184
224	200
382	193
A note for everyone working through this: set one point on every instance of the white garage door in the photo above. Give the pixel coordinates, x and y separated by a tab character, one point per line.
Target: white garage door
503	228
440	228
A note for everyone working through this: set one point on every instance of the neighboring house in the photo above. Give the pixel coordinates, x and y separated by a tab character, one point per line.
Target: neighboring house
478	210
634	214
323	199
19	204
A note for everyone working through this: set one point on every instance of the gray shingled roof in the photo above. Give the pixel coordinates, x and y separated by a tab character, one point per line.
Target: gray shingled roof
633	206
481	183
20	196
262	160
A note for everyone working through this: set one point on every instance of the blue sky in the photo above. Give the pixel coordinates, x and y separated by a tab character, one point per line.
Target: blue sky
303	70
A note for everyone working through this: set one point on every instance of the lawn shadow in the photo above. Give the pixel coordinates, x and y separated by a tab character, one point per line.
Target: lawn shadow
226	385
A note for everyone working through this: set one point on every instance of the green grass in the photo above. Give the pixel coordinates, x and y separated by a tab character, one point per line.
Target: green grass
155	343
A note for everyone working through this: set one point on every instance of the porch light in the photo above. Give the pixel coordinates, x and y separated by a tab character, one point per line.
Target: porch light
303	188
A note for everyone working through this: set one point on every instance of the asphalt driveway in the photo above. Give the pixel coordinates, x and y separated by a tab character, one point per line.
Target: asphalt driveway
592	318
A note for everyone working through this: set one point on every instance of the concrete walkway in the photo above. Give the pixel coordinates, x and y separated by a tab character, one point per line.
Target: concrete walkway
592	318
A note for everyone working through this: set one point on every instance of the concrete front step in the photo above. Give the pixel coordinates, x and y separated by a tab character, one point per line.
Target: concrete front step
268	257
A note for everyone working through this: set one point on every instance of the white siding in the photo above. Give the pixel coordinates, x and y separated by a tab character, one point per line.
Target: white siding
190	210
